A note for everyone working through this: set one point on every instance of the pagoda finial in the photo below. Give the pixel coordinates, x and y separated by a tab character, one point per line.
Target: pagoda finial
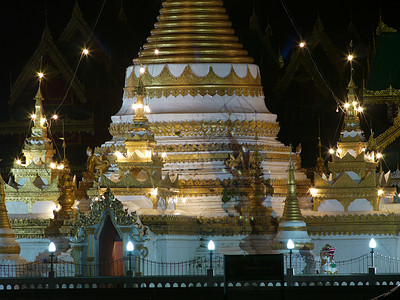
320	165
351	87
291	211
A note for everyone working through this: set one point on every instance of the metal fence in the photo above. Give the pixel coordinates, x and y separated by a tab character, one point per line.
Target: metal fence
311	265
196	267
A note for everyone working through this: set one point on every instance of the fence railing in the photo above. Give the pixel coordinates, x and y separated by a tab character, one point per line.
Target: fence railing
196	267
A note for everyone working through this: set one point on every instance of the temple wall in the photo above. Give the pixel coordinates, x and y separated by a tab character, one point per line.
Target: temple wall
30	248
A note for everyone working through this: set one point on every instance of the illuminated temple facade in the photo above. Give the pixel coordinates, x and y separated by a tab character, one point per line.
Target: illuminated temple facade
194	156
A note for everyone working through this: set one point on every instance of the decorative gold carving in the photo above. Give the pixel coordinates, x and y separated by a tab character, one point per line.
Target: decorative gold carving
203	128
188	83
185	225
66	187
370	224
30	228
106	201
386	96
385	139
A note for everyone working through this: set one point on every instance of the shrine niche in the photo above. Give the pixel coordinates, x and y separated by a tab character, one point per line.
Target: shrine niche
101	237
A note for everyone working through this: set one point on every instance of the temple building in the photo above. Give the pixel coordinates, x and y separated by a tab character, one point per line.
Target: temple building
194	155
210	123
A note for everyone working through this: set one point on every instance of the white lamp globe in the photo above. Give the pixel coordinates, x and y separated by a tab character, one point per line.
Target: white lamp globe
52	247
372	243
130	247
211	245
290	244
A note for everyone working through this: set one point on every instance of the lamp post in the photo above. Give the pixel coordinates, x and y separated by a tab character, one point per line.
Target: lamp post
52	249
372	245
129	249
211	248
290	246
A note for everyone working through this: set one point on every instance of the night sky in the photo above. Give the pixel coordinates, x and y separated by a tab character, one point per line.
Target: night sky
22	23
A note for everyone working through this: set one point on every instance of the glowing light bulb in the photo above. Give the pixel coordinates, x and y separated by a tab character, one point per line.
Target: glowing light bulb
53	165
156	52
354	103
302	45
379	155
372	243
313	191
40	75
60	167
52	247
42	121
85	51
154	192
339	151
360	109
18	162
141	70
331	151
363	149
137	105
346	105
130	247
33	117
350	57
211	245
380	192
118	154
290	244
54	117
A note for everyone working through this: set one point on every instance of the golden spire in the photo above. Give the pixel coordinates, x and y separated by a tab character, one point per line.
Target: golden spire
291	211
193	32
38	145
38	116
8	243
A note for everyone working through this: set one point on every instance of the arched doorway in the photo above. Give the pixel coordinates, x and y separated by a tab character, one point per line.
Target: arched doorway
111	250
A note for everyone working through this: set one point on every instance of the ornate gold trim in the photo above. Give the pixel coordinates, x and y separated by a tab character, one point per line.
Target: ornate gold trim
30	228
188	83
203	128
185	225
371	224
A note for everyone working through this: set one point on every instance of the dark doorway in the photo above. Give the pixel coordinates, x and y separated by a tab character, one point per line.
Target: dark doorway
111	250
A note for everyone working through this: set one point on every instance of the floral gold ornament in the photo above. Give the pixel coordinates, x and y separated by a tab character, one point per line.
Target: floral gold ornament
188	83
